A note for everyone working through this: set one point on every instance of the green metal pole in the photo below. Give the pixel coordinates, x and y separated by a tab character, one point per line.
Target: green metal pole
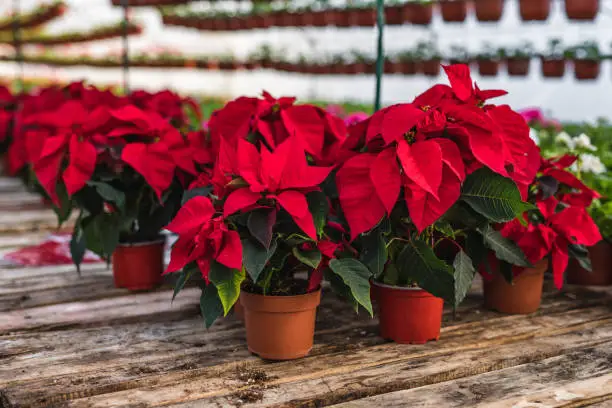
380	55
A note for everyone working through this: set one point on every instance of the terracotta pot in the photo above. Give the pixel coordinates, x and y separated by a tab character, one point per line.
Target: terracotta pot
319	18
518	66
138	266
601	263
453	11
489	10
534	10
553	68
239	311
420	14
431	67
395	15
392	67
342	17
408	67
581	9
366	17
487	67
586	69
522	296
408	315
280	327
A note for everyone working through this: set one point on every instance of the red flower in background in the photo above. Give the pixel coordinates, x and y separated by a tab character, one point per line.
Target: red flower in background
579	194
202	238
282	175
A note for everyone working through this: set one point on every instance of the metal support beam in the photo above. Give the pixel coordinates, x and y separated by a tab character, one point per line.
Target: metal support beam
380	54
126	51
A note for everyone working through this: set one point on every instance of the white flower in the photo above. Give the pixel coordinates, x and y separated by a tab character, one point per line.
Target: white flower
590	163
584	142
565	139
533	134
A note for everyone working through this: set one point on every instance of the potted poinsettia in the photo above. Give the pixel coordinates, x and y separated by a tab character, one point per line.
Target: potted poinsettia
261	232
121	167
559	227
422	176
8	104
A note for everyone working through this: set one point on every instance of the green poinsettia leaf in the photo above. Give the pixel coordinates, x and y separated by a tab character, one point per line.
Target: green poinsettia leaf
504	248
260	224
494	196
310	258
419	262
319	208
255	256
210	305
356	276
227	281
64	210
195	192
374	252
78	245
109	194
464	275
182	279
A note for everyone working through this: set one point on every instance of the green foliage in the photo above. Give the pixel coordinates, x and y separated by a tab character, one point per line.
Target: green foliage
356	277
227	282
505	249
210	305
463	275
255	257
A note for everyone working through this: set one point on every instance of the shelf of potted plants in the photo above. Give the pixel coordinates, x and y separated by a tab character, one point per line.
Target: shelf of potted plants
41	15
518	59
587	60
488	61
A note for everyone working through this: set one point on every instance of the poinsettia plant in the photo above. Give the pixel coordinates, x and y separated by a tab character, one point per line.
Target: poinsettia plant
425	174
119	165
260	218
559	226
8	104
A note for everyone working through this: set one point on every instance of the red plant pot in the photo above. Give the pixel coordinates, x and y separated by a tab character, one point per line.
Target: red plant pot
488	68
408	315
453	11
366	17
431	67
342	17
138	266
553	68
581	9
396	15
489	10
408	67
420	14
392	67
534	10
518	66
585	70
601	263
522	296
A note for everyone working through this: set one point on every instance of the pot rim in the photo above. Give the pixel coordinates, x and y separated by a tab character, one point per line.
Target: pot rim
280	304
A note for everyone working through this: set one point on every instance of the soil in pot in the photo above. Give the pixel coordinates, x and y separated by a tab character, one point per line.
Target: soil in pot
139	265
522	296
581	9
534	10
453	11
553	68
489	10
408	315
280	327
601	265
518	66
586	69
487	67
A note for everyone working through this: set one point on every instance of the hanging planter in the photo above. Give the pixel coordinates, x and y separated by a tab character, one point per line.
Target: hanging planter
365	17
396	15
431	67
601	265
408	315
534	10
453	11
581	9
408	66
553	68
522	296
518	66
280	327
585	69
138	266
342	17
489	10
487	67
420	13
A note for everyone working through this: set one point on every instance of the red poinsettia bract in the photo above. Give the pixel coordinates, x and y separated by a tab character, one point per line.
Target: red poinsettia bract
282	175
203	236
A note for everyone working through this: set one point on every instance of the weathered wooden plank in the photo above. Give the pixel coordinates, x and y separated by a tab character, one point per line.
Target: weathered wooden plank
330	357
577	378
11	184
131	307
8	273
30	220
17	201
21	240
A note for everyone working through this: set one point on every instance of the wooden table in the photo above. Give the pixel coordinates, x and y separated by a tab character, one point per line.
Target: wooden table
77	341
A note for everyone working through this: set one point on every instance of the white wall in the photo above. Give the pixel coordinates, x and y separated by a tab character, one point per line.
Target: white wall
565	99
